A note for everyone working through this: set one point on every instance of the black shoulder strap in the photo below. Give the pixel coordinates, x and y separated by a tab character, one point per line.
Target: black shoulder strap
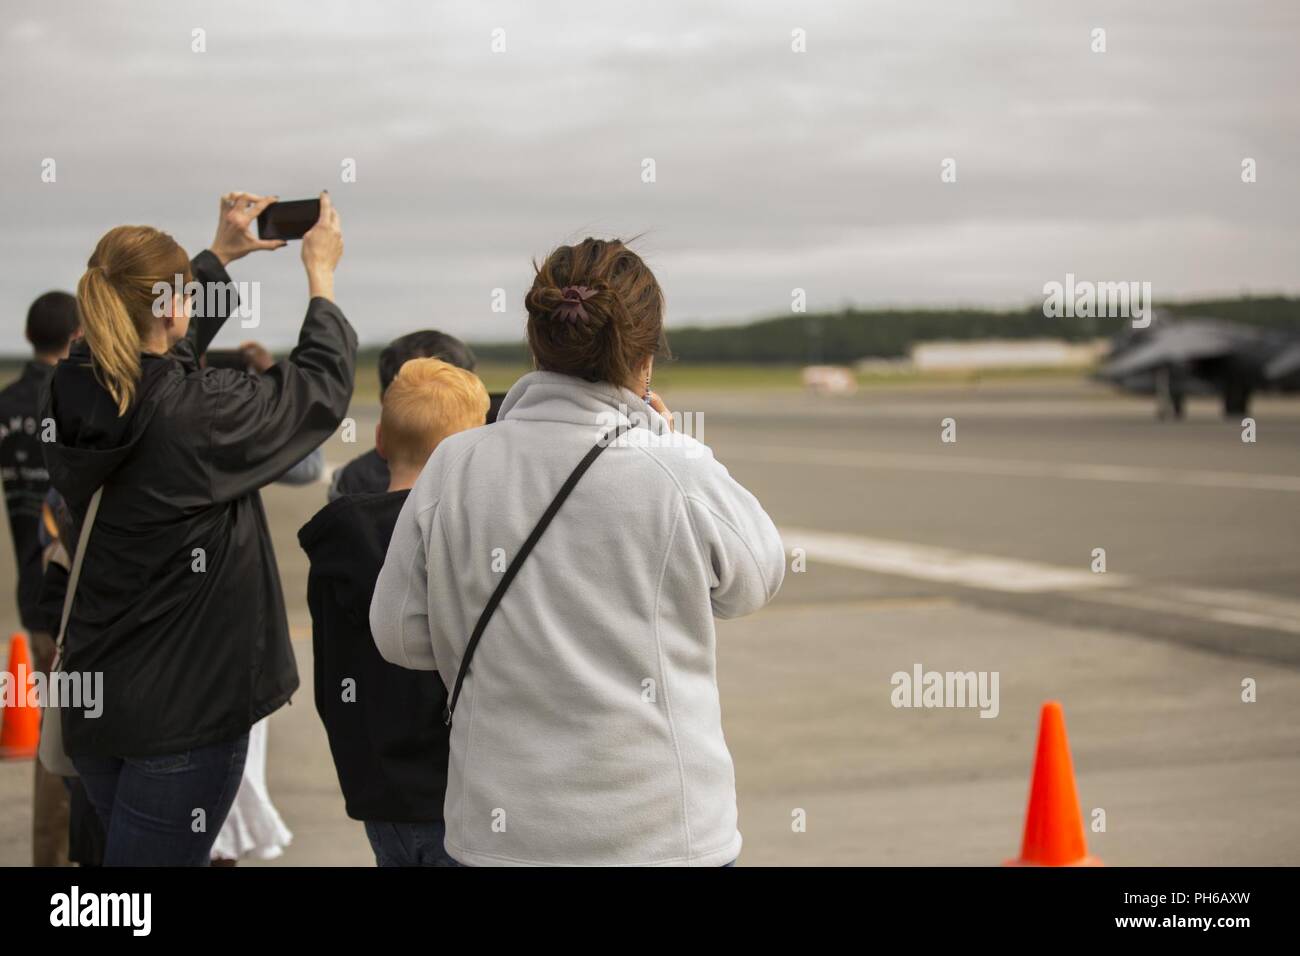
570	483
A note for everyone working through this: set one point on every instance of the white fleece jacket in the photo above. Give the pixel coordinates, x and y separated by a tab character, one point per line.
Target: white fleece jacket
589	730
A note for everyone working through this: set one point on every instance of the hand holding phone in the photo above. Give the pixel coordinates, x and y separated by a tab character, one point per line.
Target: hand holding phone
234	240
657	403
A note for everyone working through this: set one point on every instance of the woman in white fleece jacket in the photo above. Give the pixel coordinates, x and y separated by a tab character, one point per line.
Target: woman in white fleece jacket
589	730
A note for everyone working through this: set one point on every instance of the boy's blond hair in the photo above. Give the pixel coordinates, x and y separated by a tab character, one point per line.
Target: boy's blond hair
427	401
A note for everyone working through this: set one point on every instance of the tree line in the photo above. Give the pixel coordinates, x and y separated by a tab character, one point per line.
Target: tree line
851	334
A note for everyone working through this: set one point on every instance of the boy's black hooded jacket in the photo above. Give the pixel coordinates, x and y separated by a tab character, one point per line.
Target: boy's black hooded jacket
384	722
179	604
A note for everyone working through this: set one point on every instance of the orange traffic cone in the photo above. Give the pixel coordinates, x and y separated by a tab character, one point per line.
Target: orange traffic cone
20	724
1053	824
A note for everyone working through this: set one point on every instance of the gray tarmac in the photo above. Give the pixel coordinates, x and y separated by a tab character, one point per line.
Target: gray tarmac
974	555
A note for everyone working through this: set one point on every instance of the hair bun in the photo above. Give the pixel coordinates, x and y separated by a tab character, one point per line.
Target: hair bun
570	308
594	311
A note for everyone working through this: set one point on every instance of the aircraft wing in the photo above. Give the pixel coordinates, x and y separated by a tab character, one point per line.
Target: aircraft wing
1286	364
1178	344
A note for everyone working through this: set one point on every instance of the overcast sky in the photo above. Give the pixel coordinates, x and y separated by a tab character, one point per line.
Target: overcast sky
775	169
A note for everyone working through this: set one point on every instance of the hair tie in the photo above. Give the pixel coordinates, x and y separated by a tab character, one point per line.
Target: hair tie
570	308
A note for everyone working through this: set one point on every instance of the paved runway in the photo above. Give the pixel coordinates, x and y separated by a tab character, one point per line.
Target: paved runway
975	555
1201	531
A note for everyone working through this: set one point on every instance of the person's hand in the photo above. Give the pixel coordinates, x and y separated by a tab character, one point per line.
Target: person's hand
658	405
234	236
322	247
257	356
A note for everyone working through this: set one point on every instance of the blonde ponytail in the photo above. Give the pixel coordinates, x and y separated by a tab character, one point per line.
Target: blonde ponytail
113	338
118	300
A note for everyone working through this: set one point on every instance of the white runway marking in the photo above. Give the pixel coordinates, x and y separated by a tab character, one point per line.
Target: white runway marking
942	564
941	461
984	572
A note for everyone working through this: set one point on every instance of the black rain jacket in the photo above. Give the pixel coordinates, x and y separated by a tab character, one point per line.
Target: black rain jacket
179	604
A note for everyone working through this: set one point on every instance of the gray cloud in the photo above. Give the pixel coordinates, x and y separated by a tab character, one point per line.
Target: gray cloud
775	170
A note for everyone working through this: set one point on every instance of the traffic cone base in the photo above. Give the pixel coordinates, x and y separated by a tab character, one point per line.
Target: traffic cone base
20	723
1086	861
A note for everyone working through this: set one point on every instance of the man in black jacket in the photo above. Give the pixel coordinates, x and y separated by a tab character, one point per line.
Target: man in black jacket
52	324
384	722
179	611
369	472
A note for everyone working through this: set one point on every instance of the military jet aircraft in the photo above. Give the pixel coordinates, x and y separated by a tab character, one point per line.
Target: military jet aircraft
1174	358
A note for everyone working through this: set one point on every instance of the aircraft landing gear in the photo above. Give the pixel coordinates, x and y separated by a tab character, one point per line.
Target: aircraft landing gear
1236	400
1170	398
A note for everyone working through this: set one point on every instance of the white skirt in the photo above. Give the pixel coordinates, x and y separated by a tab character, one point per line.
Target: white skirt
253	827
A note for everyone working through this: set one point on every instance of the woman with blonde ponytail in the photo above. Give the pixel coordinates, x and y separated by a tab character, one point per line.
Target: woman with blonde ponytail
111	334
177	619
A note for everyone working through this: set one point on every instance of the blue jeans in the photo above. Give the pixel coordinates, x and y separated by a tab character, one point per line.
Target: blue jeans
408	844
150	805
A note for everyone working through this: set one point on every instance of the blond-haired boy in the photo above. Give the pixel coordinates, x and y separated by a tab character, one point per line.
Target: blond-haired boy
384	722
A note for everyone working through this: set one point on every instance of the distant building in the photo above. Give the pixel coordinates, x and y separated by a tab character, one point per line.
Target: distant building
1005	353
883	366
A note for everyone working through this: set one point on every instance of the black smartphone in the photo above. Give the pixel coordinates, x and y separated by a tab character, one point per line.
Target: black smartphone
288	220
226	358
